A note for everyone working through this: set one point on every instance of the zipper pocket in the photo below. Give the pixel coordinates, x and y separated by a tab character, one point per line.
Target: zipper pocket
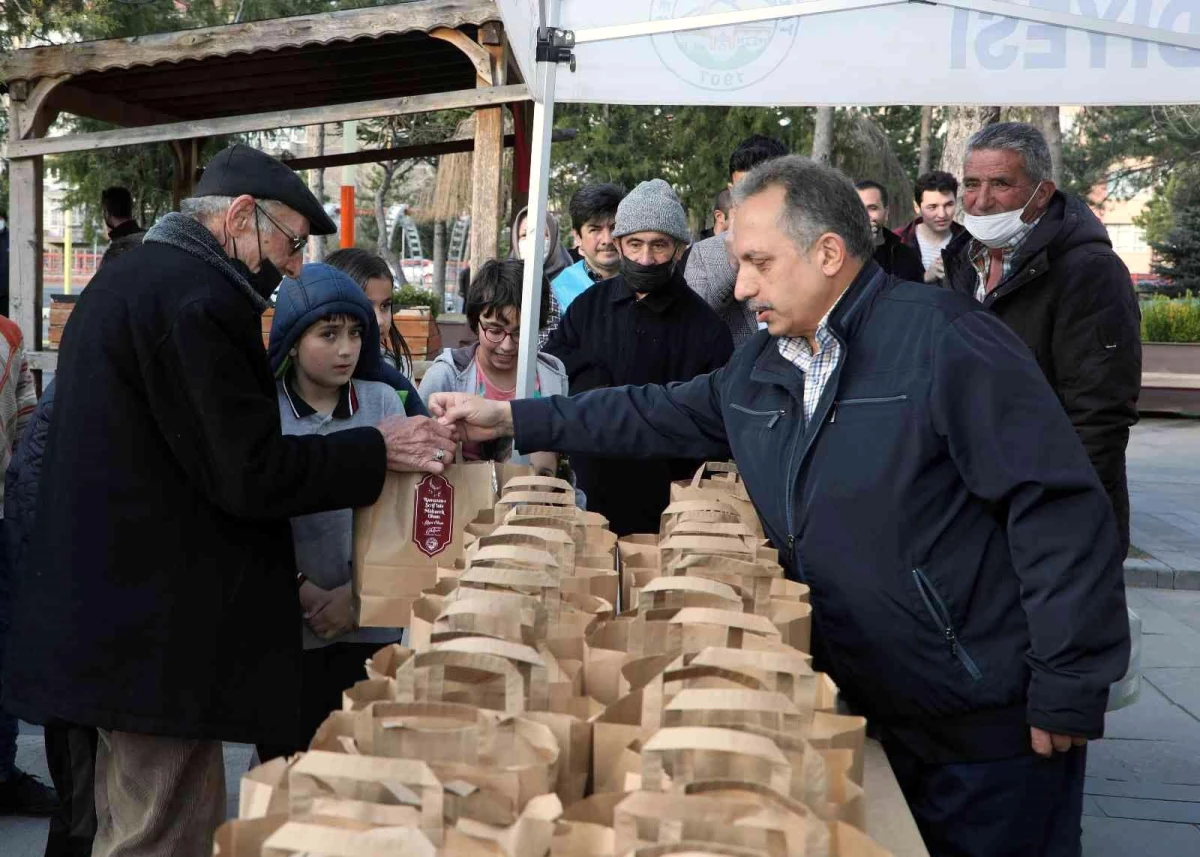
941	616
775	416
866	400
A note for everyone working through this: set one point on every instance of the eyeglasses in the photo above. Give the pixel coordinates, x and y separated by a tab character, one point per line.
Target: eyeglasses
495	335
295	242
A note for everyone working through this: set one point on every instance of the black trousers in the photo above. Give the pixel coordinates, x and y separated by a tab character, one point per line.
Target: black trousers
1022	807
71	756
325	674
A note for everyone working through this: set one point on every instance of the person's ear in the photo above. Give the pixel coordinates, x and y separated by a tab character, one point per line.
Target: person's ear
241	212
831	254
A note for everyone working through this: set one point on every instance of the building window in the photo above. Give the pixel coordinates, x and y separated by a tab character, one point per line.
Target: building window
1128	238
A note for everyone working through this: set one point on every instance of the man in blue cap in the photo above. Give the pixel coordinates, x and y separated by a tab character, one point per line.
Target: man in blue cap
158	599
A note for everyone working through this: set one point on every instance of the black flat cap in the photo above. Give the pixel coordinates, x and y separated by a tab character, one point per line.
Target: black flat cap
241	169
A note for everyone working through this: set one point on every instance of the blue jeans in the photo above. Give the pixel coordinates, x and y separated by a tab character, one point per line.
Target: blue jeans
1022	807
8	723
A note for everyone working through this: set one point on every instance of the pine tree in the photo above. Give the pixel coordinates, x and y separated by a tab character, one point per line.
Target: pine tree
1179	253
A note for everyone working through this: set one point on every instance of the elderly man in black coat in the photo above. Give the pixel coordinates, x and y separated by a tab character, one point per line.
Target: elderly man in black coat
1043	263
158	601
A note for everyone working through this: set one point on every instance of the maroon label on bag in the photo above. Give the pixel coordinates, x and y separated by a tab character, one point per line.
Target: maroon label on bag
433	516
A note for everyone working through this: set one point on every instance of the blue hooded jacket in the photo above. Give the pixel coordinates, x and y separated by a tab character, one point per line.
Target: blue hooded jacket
322	291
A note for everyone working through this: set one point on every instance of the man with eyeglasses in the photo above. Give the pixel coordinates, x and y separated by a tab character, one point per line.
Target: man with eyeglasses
157	600
643	326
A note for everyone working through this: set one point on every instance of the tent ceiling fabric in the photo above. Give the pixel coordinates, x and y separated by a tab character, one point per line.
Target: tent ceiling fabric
904	53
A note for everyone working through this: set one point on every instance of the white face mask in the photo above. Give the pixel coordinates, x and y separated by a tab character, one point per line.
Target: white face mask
524	246
3	224
998	230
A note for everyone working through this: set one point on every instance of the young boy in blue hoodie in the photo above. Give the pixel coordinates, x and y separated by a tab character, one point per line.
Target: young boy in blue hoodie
327	382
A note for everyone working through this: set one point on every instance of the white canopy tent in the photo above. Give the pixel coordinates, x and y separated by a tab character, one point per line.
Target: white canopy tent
837	52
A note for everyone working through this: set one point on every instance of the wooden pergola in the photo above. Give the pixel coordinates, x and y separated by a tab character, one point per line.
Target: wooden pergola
179	88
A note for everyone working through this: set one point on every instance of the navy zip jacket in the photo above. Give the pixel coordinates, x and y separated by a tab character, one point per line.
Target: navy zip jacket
962	554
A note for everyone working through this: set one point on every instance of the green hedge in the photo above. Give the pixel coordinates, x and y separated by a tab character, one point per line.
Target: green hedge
1171	320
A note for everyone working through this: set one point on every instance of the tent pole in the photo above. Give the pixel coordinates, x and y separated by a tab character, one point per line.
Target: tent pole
539	180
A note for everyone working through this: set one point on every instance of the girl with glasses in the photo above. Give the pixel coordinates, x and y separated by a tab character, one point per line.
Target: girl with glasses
488	367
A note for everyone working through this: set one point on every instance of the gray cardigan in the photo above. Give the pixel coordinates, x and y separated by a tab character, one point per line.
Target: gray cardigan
325	541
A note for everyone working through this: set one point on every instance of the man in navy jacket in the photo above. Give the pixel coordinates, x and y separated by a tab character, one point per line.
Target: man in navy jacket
916	471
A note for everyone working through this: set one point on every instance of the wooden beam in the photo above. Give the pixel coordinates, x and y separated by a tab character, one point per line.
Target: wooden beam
477	54
488	160
106	108
407	153
25	249
31	117
467	98
247	38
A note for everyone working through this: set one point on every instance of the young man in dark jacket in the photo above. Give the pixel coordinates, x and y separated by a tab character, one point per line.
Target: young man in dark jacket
891	254
158	599
916	471
935	198
643	326
1043	263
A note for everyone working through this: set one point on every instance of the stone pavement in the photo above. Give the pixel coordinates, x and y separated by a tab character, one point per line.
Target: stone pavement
1143	787
1164	495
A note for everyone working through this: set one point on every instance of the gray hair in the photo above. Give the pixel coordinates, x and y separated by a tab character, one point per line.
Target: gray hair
205	208
1018	137
817	199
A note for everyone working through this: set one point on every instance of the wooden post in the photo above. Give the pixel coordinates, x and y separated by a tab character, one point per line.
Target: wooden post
488	159
25	249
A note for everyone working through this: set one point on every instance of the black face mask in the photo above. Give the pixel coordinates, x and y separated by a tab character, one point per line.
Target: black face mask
644	279
267	280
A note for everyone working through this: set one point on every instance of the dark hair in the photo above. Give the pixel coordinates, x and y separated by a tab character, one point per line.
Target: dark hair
723	202
868	184
498	286
817	199
593	201
117	201
360	266
935	181
753	151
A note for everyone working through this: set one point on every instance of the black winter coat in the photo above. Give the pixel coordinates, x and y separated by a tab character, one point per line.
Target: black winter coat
158	595
21	480
1070	299
962	556
898	259
607	338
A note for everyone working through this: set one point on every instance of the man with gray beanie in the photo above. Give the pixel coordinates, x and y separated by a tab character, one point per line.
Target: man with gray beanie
643	326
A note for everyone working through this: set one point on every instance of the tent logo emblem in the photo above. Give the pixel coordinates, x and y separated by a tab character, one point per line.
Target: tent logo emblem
722	59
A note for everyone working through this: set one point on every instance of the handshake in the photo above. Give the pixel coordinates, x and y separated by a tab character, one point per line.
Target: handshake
429	444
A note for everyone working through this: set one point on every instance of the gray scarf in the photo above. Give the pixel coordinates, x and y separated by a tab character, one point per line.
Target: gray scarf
192	237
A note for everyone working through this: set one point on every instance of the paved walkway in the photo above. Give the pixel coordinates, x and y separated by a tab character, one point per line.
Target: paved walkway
1143	788
1164	495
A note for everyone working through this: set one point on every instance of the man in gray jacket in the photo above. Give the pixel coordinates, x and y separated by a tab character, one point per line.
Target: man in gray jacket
709	269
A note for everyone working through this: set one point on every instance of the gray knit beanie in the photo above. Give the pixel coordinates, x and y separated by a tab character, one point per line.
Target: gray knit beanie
652	207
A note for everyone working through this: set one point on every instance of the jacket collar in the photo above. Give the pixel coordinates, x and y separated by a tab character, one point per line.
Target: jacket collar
346	407
658	301
847	317
129	227
193	238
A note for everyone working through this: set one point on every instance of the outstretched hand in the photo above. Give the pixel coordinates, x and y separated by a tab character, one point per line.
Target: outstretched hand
418	443
478	419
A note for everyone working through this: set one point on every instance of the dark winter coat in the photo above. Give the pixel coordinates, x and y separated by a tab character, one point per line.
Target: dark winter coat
608	339
1070	299
21	480
898	259
963	559
158	595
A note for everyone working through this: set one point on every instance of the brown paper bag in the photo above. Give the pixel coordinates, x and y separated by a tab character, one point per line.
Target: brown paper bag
264	790
333	837
719	481
417	523
380	791
245	837
653	818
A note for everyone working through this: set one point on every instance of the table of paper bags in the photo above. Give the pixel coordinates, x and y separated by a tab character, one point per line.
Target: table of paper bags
564	692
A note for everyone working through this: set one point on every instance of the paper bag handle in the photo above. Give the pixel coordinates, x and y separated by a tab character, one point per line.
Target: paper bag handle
715	467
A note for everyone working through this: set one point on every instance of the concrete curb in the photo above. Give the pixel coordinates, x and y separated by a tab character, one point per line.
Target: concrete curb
1152	574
